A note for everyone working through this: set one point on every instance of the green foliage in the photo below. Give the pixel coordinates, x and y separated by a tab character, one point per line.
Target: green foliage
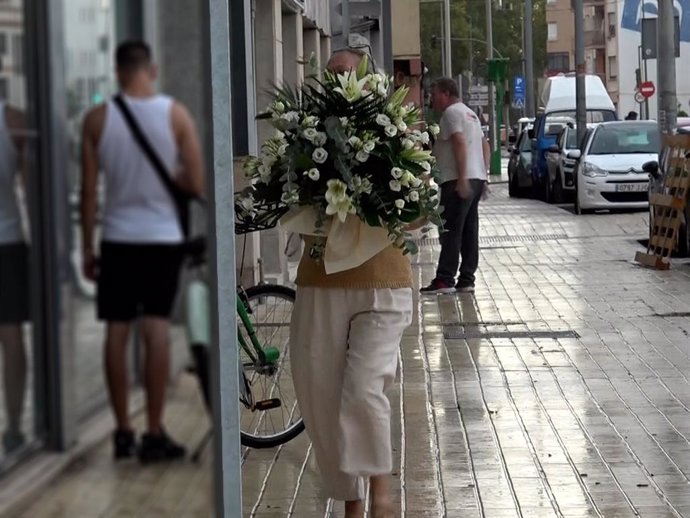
468	21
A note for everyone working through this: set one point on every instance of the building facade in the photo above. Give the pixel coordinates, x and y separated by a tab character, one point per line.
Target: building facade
614	48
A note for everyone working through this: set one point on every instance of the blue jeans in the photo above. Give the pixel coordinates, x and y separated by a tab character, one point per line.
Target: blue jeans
460	233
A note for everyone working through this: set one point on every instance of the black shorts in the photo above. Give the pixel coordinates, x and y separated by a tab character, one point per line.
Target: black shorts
137	280
14	283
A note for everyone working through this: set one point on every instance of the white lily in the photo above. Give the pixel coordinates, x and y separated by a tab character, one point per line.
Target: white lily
350	88
338	200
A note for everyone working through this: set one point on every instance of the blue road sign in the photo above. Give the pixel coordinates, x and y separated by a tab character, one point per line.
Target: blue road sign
519	103
518	89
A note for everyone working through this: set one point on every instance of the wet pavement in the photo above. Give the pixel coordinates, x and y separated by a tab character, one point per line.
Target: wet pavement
560	389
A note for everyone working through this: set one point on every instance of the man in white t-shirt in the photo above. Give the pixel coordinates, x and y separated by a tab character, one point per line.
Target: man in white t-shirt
462	154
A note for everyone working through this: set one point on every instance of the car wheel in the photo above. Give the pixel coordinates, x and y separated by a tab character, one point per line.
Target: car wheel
514	189
548	196
557	191
578	208
512	186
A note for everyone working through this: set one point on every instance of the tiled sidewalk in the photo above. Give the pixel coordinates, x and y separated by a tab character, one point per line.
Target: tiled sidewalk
560	390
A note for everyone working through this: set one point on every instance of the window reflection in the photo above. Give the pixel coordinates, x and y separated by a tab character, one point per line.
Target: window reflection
90	79
16	142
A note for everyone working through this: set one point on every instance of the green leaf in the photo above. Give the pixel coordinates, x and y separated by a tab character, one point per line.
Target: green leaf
363	67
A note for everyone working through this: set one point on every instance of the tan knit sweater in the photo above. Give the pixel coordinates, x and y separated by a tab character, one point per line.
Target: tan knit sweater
387	269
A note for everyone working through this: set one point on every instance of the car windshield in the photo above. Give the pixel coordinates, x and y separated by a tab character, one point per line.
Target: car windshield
565	117
625	139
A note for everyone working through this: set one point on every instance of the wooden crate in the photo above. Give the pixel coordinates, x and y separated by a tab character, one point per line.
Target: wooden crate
668	207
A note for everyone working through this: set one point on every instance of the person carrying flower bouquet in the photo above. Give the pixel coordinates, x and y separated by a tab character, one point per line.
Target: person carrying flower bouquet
350	172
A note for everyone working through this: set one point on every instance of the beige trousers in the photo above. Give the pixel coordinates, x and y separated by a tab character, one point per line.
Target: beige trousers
344	353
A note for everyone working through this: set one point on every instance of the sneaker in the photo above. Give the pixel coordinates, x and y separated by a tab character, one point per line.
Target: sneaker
161	447
464	288
124	444
438	286
12	440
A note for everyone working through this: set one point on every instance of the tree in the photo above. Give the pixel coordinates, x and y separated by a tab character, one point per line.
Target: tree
468	21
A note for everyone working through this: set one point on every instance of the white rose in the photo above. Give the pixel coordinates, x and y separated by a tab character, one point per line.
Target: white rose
279	107
425	138
434	129
310	134
319	155
313	174
369	146
399	203
354	141
396	173
320	138
395	185
402	126
391	130
383	120
414	196
408	143
362	156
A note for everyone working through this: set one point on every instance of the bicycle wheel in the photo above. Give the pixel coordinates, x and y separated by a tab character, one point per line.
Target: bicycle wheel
274	417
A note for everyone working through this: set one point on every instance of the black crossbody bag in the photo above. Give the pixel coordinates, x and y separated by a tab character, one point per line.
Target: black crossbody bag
181	199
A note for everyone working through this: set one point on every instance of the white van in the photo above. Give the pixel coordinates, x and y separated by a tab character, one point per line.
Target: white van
558	102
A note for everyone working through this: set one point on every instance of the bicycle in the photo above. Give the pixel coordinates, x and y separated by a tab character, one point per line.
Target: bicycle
269	415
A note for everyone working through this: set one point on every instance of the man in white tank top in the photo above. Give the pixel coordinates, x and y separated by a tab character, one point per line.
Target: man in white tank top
138	266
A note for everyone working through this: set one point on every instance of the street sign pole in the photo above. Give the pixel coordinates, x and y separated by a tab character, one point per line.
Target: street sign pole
666	71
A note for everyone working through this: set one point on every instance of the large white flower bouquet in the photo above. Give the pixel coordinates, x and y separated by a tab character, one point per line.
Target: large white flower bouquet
346	147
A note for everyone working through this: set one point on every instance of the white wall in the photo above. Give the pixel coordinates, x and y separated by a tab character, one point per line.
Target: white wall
629	39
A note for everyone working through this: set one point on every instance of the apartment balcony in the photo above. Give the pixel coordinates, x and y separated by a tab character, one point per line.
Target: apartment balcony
594	34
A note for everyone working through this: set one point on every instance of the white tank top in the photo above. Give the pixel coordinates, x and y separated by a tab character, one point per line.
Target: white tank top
138	207
10	217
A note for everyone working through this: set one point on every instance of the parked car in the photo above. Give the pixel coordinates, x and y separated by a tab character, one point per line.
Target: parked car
561	167
519	166
609	172
657	173
558	100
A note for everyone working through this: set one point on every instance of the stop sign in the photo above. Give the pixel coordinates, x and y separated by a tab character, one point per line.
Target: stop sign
647	89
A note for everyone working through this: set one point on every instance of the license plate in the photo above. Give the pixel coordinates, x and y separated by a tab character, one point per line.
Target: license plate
631	187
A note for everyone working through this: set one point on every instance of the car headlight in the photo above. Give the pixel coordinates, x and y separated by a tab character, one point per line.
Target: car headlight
591	170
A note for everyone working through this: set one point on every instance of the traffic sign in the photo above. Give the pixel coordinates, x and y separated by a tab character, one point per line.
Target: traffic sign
647	89
518	92
639	98
479	95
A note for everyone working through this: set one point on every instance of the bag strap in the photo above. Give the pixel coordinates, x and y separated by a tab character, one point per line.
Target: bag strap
178	196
